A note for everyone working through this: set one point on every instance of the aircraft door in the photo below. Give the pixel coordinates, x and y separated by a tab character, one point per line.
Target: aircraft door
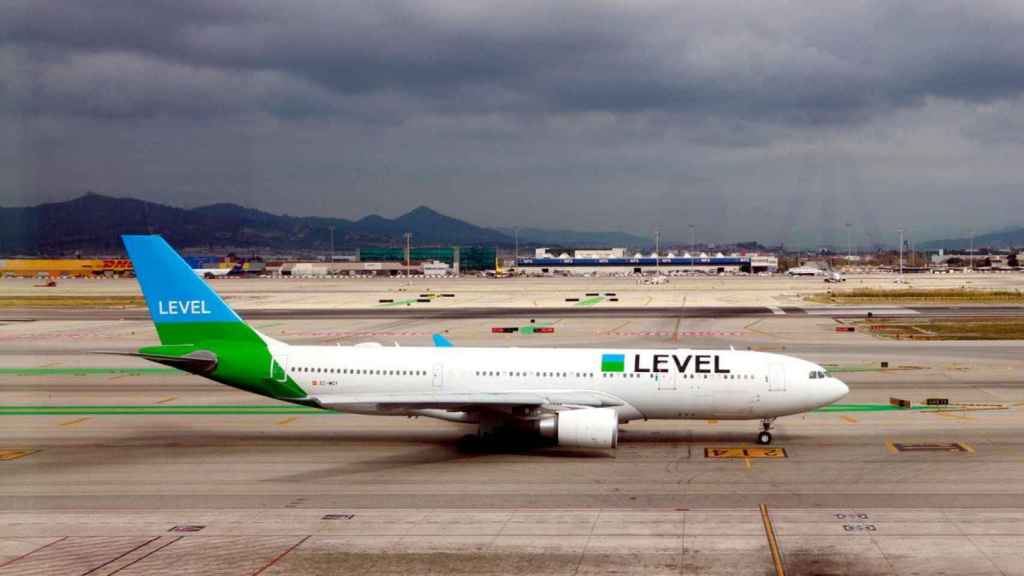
776	378
277	369
437	376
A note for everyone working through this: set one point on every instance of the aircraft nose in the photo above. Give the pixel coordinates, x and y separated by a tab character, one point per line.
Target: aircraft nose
837	390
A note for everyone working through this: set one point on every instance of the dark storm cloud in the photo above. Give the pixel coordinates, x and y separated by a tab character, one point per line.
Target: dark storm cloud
500	112
796	62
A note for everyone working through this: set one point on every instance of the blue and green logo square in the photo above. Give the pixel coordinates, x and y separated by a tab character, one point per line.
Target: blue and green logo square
613	362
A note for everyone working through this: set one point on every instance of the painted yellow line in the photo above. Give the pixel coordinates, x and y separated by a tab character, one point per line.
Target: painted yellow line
891	447
945	414
773	543
76	421
712	421
118	377
168	399
287	421
849	419
15	454
966	446
747	462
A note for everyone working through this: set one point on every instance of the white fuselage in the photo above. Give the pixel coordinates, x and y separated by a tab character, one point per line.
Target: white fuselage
648	384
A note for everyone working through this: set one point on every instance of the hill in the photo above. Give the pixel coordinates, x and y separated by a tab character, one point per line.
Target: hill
95	223
1005	238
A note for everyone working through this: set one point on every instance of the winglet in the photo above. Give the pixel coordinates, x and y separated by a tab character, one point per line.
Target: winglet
442	342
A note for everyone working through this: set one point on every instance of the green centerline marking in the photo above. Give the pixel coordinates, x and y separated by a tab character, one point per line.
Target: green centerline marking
83	371
591	301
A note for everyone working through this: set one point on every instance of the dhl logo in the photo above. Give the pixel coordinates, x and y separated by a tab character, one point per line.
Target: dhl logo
117	264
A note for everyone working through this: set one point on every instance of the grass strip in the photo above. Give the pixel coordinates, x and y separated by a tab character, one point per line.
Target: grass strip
71	302
919	296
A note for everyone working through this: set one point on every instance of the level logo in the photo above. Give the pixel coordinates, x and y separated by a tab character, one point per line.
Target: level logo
613	362
182	308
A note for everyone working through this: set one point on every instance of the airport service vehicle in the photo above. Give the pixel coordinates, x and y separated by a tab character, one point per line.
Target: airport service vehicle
564	396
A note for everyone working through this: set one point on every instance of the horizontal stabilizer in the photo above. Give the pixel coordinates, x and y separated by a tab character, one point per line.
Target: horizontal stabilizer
198	362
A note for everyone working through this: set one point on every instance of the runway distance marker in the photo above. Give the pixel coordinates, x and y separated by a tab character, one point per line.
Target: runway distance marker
15	454
730	452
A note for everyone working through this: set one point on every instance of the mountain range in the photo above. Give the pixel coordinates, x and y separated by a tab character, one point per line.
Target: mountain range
94	223
1006	238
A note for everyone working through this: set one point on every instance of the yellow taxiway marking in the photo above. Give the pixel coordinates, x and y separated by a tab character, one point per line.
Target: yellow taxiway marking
712	421
166	400
746	461
946	414
15	454
745	453
966	446
75	422
287	421
119	376
773	544
849	419
891	447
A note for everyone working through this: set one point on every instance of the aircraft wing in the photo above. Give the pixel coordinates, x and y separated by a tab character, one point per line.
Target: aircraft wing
465	401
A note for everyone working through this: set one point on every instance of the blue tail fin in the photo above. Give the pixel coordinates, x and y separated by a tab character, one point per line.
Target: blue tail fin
183	307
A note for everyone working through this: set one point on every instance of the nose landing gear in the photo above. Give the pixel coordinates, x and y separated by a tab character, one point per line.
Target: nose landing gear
765	437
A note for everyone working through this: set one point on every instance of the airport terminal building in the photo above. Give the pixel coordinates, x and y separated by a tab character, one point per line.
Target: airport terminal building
616	262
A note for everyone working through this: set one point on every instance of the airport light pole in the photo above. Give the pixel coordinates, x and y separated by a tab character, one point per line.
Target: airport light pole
901	253
657	249
849	246
408	253
972	249
332	244
515	253
693	239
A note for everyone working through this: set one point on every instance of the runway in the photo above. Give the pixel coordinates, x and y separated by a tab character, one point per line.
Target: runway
111	465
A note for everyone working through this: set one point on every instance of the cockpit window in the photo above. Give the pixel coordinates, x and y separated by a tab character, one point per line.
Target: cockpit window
819	374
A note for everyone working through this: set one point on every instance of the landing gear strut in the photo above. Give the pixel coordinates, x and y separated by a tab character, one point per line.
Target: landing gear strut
765	437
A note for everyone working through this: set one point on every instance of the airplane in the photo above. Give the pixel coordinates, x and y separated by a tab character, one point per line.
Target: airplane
572	397
806	271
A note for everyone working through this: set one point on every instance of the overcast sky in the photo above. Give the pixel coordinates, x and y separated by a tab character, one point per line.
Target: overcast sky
771	121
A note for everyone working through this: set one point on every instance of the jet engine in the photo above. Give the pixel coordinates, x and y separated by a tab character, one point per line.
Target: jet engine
583	428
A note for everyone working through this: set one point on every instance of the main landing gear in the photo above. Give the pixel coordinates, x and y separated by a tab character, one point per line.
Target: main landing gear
765	437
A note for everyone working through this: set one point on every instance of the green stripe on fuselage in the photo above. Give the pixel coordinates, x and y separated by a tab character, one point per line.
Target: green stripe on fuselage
243	360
